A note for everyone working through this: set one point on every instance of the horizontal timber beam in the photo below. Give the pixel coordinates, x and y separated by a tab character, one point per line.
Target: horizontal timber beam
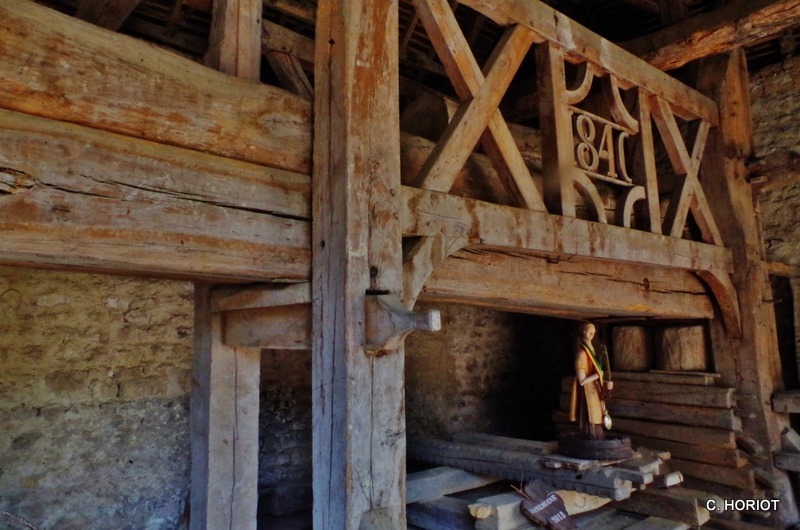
734	25
427	213
48	59
75	197
574	288
579	44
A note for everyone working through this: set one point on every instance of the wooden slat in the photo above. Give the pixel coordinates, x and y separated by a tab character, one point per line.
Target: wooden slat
109	14
742	477
140	90
79	198
275	37
579	43
735	24
675	394
573	289
666	504
429	213
499	512
657	523
697	453
786	401
681	433
433	483
358	407
258	296
681	414
504	442
670	378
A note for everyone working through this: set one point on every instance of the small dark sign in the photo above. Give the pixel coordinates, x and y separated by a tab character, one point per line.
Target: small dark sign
544	507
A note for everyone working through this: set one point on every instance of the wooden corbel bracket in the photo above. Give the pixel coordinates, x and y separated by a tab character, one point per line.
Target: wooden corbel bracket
388	322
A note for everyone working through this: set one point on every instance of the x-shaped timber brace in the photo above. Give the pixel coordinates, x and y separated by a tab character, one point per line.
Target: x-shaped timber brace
584	147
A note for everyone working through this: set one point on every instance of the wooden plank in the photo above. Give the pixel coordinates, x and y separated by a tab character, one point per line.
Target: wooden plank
234	43
444	513
108	14
733	25
358	407
786	461
705	396
579	43
666	504
75	197
258	296
427	213
224	426
787	401
438	481
670	378
504	442
140	90
680	414
285	327
657	523
275	37
742	477
680	433
499	512
697	453
573	288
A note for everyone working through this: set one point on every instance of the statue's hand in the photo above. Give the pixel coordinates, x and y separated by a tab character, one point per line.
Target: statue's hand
610	385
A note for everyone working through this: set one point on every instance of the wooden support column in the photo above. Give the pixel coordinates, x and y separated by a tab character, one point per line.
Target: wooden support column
358	409
225	393
751	361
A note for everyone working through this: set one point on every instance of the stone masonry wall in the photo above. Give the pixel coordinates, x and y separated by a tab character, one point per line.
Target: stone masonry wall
94	383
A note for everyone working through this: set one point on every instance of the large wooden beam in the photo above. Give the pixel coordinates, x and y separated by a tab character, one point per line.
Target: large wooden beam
49	60
358	420
572	288
749	362
427	213
74	197
109	14
234	45
579	44
734	25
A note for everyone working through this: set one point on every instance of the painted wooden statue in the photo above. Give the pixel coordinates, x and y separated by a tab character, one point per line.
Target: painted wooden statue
587	405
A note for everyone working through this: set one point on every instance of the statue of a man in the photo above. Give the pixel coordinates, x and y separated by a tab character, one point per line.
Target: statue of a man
587	396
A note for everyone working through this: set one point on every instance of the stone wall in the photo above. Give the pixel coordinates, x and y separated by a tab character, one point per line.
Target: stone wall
94	400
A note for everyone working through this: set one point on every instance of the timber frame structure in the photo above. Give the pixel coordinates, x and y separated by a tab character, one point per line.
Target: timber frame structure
165	167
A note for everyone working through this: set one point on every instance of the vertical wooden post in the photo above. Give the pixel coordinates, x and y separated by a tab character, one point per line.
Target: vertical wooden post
225	391
558	162
358	414
751	362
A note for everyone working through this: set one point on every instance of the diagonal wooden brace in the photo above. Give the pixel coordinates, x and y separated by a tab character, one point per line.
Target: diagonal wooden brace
388	322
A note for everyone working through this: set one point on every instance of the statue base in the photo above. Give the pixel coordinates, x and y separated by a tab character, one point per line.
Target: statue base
613	447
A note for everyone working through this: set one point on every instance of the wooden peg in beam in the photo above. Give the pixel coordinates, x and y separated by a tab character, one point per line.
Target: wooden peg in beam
388	322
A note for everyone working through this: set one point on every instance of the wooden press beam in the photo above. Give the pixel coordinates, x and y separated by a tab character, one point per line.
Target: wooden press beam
358	410
225	396
735	24
140	90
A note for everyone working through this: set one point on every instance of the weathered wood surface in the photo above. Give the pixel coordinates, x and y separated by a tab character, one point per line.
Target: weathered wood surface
774	171
736	24
667	504
259	296
786	401
444	513
48	60
699	395
234	42
708	454
516	465
76	197
680	433
787	461
358	407
432	483
632	348
678	414
109	14
670	378
681	348
579	44
573	288
427	213
742	477
224	426
285	327
499	512
505	442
